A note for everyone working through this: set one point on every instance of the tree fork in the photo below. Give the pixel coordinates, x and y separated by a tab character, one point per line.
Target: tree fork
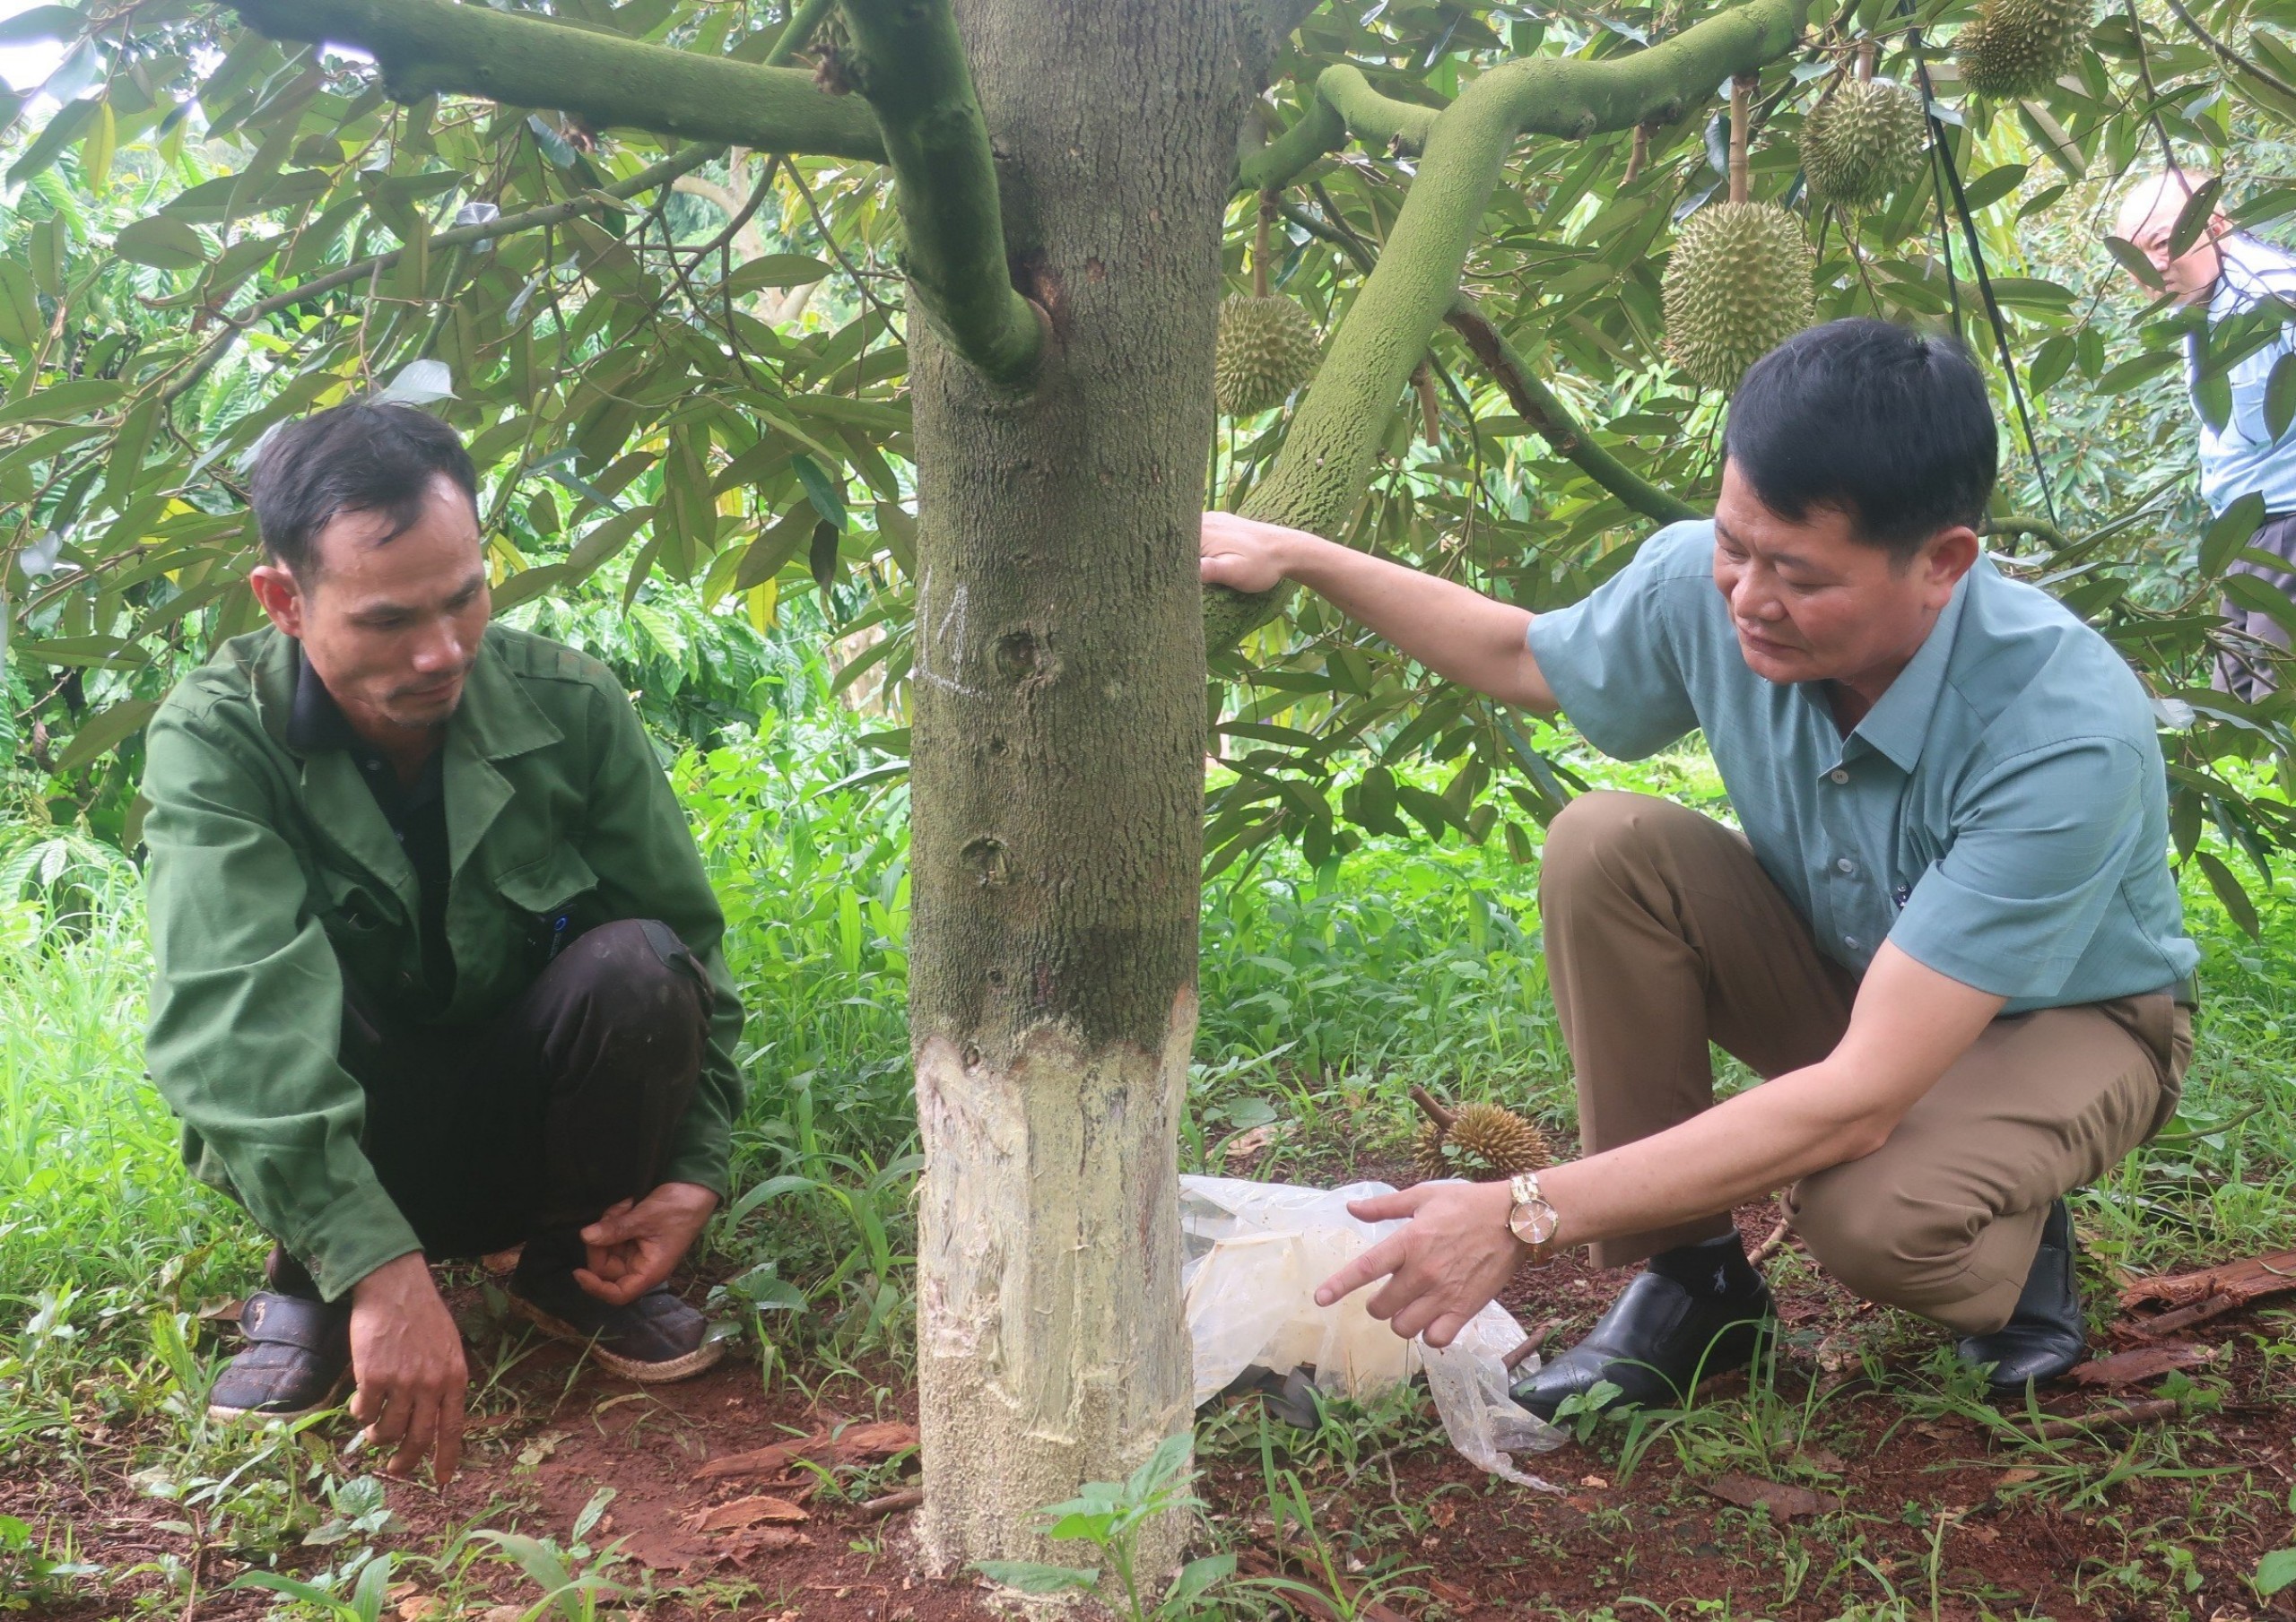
1327	455
429	48
910	66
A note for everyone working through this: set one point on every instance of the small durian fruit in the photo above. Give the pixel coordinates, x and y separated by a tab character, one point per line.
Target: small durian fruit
1482	1142
1862	142
1738	286
2015	48
1267	348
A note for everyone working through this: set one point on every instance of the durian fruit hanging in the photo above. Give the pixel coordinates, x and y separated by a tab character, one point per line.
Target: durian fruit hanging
1865	140
1267	344
1738	283
2015	48
1482	1142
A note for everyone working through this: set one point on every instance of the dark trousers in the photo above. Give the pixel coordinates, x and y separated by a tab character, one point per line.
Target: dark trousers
524	1127
2251	678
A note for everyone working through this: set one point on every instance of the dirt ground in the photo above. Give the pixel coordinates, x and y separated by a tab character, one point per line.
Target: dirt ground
1873	1487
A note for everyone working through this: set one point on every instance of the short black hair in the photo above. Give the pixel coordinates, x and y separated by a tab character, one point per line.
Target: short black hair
1888	426
363	456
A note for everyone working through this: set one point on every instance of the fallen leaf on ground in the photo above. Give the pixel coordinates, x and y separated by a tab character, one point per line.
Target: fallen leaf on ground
874	1439
1780	1498
2141	1363
878	1439
1451	1593
2247	1279
747	1512
1596	1481
1824	1459
764	1541
1250	1142
2017	1477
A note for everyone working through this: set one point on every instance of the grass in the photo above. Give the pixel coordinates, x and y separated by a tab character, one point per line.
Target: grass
1326	994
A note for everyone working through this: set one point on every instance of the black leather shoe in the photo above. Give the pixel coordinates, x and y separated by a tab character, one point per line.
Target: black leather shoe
2045	1338
297	1360
655	1338
1656	1341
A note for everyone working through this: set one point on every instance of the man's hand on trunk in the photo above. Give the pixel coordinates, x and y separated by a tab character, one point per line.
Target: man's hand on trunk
635	1244
407	1356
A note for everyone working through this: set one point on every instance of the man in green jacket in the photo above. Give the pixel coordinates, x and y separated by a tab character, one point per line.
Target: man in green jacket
438	966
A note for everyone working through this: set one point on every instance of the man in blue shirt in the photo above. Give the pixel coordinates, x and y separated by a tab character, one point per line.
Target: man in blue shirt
1947	936
2232	274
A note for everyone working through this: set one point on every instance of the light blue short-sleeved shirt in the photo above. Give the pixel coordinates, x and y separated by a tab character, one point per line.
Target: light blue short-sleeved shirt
2242	456
2001	814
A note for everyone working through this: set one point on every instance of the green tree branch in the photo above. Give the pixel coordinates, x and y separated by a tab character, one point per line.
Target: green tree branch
1344	106
1327	455
1551	420
435	46
461	236
909	65
1542	411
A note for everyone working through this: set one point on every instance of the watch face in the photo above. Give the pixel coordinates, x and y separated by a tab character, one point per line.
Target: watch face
1533	1224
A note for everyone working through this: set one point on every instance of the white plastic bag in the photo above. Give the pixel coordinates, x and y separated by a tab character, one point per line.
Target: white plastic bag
1255	1254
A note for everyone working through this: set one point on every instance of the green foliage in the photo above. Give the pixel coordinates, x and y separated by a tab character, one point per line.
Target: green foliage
216	232
1110	1516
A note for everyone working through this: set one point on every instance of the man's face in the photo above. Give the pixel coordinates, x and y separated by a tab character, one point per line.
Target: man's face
1812	603
2188	277
394	628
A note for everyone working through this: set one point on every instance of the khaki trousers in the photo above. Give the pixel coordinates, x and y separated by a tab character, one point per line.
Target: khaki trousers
1663	935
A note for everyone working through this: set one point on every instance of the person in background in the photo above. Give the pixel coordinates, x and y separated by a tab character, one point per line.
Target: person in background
1947	936
2231	273
439	966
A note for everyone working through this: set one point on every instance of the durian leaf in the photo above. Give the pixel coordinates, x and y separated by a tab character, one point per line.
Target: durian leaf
1994	184
2194	217
2229	533
2133	260
2280	397
2228	891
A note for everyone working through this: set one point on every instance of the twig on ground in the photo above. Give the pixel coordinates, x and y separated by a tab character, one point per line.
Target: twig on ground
1531	1343
893	1503
1776	1243
2133	1413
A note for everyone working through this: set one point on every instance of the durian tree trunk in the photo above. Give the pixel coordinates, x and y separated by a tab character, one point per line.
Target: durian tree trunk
1056	772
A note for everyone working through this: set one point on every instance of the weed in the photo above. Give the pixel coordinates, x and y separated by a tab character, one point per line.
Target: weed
1110	1516
573	1581
45	1575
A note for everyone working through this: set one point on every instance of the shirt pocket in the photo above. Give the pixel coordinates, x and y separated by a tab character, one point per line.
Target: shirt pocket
552	899
355	906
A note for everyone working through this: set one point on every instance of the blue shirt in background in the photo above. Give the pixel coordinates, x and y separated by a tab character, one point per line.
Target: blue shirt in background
2001	814
2242	456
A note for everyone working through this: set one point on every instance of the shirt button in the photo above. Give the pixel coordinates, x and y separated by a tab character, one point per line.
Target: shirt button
1845	865
1850	941
1839	776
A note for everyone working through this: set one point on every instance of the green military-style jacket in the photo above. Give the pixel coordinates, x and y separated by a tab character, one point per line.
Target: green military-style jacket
274	873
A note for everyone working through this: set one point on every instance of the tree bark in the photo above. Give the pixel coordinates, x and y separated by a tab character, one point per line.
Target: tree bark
1057	771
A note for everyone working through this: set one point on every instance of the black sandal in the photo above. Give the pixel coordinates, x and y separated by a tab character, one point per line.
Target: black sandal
297	1360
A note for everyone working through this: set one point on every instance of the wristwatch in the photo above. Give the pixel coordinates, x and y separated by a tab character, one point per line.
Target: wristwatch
1531	1218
